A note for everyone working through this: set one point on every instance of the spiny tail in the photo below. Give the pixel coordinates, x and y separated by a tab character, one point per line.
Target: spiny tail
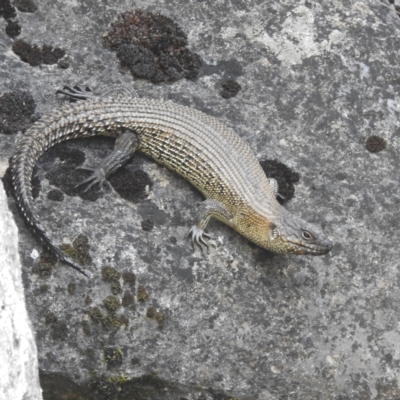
40	137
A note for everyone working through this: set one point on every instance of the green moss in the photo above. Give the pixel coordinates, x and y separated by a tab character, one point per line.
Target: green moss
142	294
79	250
112	304
46	264
81	246
110	274
111	321
114	321
129	278
116	288
113	357
118	379
96	315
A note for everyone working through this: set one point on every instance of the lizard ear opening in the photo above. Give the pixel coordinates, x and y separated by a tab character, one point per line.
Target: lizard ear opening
273	231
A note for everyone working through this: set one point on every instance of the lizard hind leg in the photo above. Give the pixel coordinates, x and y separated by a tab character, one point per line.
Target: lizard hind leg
125	145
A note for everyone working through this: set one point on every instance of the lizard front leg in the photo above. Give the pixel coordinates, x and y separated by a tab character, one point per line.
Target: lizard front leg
209	208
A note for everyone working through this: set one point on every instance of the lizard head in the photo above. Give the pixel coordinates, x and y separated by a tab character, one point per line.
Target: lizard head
291	234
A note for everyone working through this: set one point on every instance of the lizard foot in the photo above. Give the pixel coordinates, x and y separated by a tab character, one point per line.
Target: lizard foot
197	235
76	93
98	178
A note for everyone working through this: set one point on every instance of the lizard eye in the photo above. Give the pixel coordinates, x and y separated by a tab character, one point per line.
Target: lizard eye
307	235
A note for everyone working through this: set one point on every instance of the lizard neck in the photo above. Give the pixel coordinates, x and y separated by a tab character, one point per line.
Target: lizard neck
256	227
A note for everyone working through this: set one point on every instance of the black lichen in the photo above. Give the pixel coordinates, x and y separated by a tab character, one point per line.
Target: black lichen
142	294
139	60
230	88
152	46
67	155
17	110
63	64
68	179
35	55
375	144
285	177
13	28
55	195
27	6
66	176
129	278
147	225
132	186
7	10
128	299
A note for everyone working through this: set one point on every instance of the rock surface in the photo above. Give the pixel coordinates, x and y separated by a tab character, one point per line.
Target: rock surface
19	377
317	80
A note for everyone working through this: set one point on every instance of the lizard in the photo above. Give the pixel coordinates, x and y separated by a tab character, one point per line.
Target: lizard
204	151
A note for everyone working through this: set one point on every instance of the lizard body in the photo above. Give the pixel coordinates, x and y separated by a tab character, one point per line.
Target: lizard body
197	146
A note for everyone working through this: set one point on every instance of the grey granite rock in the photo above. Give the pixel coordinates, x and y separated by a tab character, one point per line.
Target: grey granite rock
19	374
318	79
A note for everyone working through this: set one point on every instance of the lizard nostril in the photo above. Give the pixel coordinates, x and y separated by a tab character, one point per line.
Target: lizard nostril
328	247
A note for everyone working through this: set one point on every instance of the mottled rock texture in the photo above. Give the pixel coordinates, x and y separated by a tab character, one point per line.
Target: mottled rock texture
19	375
317	80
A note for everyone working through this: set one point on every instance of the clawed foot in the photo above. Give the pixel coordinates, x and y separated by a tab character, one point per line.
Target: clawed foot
76	93
98	178
198	236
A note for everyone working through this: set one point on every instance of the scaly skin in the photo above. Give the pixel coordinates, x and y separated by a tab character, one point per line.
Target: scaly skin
198	147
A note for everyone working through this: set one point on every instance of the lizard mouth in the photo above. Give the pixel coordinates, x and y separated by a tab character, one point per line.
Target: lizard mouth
312	249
